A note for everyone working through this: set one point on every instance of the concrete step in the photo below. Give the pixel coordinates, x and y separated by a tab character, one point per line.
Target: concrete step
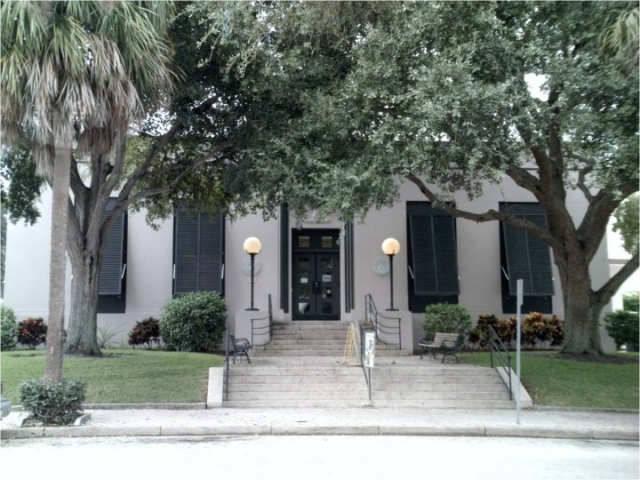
301	353
307	386
300	341
451	403
296	372
352	394
438	387
311	325
319	336
312	403
453	395
314	346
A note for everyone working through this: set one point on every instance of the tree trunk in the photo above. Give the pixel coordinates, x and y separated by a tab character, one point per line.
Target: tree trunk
58	264
581	311
83	318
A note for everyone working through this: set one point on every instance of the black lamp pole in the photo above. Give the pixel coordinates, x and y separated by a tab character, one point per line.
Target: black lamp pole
391	281
253	258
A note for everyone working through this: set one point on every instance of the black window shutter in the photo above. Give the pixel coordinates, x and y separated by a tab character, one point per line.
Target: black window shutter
433	250
111	270
527	256
198	254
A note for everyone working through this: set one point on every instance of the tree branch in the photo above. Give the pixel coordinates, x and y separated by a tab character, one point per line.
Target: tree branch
159	146
609	289
596	218
489	215
124	202
581	182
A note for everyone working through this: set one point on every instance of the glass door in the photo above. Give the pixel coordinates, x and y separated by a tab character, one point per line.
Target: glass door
316	275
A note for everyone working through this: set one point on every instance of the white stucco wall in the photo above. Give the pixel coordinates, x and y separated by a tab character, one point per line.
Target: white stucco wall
150	261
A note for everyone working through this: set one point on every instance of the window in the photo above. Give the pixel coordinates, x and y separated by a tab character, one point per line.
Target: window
112	276
525	256
198	252
432	256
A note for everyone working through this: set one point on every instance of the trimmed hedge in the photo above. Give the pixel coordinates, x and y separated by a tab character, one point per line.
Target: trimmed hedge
194	322
446	318
624	328
50	402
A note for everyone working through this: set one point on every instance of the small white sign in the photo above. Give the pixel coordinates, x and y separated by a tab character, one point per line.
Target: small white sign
369	349
326	278
304	280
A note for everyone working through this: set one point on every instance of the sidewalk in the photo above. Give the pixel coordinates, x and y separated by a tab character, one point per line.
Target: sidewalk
548	423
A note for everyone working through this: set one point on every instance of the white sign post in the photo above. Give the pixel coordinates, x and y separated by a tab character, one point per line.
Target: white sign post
369	349
518	335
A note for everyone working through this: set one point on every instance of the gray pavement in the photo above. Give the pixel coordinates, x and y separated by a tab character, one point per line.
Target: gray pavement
548	423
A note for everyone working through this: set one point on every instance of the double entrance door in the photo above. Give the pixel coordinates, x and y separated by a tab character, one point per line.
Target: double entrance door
316	274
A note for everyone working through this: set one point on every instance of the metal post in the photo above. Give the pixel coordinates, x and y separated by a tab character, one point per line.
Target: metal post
253	257
518	335
391	281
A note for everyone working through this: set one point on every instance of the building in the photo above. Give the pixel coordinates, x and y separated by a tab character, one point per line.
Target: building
315	270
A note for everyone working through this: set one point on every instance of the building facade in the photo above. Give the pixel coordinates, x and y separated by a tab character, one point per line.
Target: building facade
315	270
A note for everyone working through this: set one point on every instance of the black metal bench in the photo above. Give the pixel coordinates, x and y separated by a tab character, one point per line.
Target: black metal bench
447	344
241	347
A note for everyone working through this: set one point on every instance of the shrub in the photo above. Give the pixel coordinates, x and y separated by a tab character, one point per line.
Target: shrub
446	318
50	402
8	328
194	322
32	332
631	301
536	330
623	327
105	336
145	333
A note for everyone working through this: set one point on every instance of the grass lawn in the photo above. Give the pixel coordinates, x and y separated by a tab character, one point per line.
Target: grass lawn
568	382
121	375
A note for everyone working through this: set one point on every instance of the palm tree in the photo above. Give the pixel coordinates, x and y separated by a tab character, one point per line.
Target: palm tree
74	75
623	35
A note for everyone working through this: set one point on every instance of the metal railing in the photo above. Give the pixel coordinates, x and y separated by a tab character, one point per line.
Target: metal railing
258	331
225	383
365	370
500	354
384	325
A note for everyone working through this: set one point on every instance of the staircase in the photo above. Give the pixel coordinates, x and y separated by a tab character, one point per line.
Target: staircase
306	339
439	386
304	366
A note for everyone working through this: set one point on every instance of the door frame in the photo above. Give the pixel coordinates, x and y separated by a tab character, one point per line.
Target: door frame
316	248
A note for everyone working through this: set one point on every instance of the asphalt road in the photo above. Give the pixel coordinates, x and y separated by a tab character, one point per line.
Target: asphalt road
317	457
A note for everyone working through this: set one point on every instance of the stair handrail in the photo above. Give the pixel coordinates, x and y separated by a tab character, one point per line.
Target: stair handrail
264	329
375	318
360	346
225	382
498	352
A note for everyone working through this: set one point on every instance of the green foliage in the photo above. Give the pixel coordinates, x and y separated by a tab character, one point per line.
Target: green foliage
537	330
32	332
124	375
631	302
194	322
8	328
18	169
50	402
590	381
106	336
145	332
628	224
624	328
446	318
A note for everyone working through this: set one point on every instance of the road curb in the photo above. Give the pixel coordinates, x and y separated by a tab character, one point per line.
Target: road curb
308	430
